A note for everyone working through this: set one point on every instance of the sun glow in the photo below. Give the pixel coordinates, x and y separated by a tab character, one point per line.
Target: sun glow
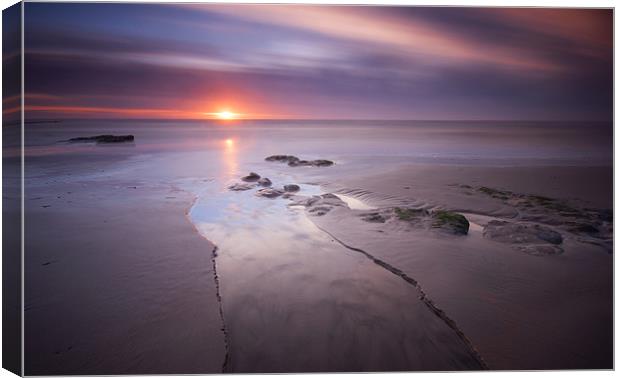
226	114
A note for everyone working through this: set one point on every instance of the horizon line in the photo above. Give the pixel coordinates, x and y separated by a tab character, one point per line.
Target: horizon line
238	120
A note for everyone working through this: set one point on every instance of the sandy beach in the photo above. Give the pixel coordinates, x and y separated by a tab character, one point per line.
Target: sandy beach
113	268
361	265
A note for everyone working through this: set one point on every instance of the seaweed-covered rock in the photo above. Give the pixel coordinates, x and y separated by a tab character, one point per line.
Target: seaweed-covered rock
103	139
264	181
450	221
291	188
251	177
520	233
269	193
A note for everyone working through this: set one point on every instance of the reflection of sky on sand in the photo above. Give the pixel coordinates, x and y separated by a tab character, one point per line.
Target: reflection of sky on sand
295	300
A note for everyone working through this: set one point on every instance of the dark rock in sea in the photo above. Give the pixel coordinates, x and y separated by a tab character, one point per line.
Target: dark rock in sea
520	233
297	163
251	177
310	163
104	139
241	186
282	158
450	221
322	163
269	193
264	181
291	188
294	161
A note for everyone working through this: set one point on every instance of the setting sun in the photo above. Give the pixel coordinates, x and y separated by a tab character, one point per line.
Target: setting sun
225	114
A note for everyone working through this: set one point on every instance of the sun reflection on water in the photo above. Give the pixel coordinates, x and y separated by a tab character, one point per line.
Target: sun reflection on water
230	157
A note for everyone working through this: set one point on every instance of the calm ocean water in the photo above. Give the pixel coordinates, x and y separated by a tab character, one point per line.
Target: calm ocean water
467	142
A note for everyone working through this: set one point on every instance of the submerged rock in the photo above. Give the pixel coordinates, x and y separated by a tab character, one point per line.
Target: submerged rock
520	233
264	181
450	221
241	186
269	193
104	139
251	177
291	188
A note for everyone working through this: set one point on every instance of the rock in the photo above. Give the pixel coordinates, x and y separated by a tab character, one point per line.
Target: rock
450	221
282	158
520	233
294	161
251	177
291	188
104	139
297	163
269	193
264	181
322	163
241	186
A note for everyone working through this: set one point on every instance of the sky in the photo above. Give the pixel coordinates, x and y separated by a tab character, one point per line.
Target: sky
316	62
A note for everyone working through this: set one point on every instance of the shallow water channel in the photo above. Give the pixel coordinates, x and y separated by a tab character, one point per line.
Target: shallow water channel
295	300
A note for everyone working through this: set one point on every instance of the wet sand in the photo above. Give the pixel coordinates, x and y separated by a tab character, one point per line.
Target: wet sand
520	311
296	301
117	279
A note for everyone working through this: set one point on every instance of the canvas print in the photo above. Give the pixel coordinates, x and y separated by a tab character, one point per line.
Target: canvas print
251	188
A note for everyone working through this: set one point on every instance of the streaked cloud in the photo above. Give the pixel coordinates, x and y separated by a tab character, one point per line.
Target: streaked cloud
318	61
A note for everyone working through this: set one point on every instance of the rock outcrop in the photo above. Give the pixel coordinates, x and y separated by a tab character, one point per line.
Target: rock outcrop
294	161
103	139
